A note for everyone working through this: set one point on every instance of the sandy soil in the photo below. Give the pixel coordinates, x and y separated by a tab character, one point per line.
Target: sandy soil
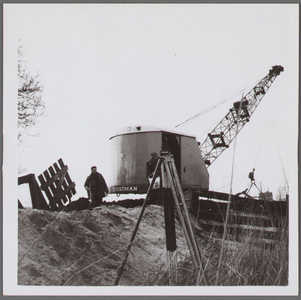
87	247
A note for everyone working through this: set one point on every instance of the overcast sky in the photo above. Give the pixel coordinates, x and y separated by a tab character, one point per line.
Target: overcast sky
105	67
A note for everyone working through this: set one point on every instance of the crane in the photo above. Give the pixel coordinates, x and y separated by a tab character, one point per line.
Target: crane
227	129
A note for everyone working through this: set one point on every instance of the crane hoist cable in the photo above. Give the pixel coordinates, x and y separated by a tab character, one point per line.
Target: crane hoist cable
284	173
246	192
209	109
265	125
224	185
217	104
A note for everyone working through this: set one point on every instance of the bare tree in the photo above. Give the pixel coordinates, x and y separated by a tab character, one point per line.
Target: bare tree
30	103
282	191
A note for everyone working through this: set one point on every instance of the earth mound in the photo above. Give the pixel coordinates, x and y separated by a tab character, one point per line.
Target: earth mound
86	248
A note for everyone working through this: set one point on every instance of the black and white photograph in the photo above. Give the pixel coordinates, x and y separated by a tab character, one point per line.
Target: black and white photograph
150	149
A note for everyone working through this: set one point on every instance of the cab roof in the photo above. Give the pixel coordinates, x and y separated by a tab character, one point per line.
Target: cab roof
146	128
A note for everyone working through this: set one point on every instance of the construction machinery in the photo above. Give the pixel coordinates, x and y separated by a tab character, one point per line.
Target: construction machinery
132	147
227	129
184	168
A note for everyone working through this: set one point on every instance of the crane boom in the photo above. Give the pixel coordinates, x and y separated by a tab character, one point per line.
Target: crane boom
226	130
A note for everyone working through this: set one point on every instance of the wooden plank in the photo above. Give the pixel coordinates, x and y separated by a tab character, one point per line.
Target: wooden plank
53	175
60	177
243	226
54	178
217	235
61	163
37	198
214	195
47	191
51	187
41	179
63	184
62	193
69	181
57	184
249	215
273	210
234	218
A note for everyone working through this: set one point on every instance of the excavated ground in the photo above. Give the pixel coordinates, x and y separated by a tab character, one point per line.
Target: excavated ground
85	248
79	247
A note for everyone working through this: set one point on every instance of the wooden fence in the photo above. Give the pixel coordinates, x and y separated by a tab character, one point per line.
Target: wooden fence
57	185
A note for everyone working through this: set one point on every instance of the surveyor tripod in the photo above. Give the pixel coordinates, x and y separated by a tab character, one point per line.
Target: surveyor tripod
173	199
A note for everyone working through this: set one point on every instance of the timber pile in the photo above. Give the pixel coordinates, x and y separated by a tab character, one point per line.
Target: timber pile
263	220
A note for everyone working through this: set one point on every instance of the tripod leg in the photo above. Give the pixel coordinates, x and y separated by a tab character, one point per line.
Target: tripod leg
120	270
183	211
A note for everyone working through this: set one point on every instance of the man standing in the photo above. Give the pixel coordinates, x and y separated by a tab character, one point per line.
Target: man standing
96	187
155	193
151	165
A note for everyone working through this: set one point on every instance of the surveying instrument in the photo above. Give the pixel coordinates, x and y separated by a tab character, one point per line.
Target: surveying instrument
173	199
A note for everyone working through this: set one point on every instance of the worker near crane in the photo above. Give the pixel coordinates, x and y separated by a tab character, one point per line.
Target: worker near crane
150	169
251	176
151	165
96	187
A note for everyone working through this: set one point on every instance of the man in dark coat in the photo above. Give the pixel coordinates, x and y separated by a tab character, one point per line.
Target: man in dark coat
155	194
151	164
96	187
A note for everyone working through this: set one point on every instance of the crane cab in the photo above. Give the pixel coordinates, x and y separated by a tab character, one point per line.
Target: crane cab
131	148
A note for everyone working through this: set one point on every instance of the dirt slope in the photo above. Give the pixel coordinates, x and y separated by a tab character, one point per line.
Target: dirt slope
86	247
